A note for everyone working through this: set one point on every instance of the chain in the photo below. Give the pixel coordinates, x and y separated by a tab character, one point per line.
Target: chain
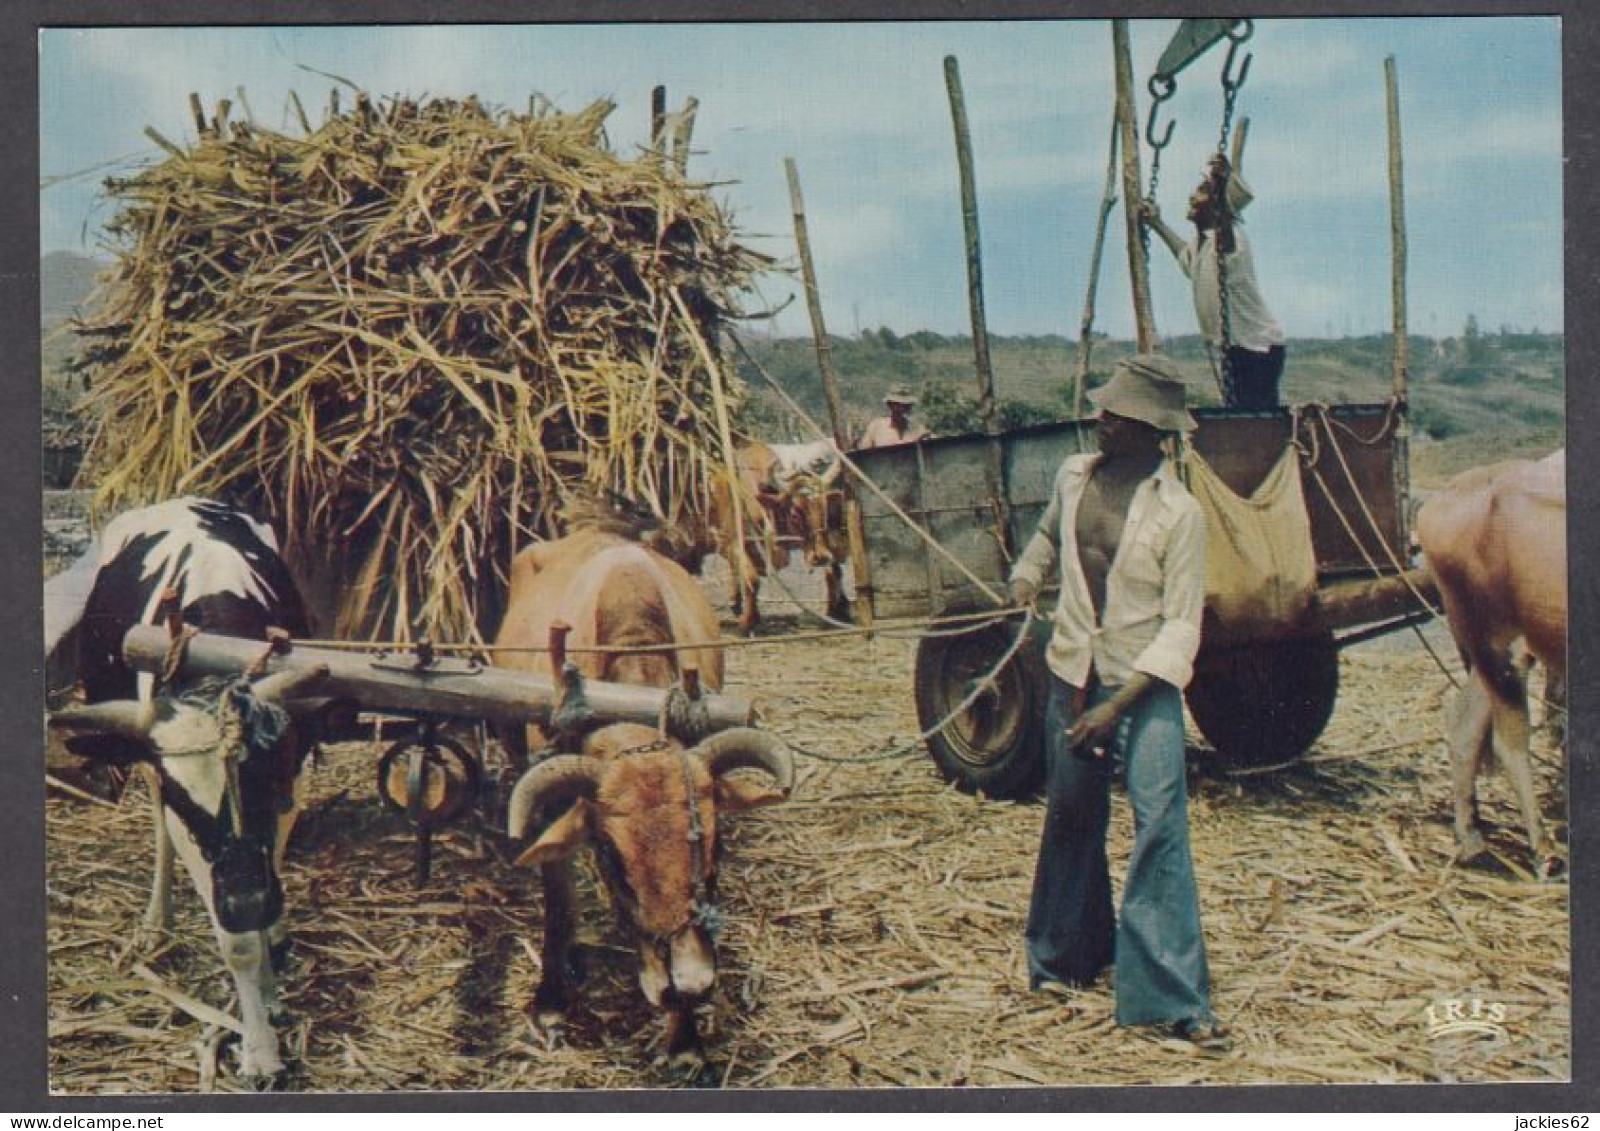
1230	92
1161	87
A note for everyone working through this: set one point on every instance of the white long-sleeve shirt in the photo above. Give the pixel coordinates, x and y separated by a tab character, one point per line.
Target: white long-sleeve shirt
1250	323
1155	590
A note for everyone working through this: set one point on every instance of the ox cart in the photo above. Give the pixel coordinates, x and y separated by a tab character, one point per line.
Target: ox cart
1261	695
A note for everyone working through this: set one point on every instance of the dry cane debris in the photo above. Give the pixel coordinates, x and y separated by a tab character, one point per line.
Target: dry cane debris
874	930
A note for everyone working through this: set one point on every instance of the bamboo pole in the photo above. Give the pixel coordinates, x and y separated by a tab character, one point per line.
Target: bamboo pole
969	218
1108	201
819	330
1402	339
995	465
1132	189
1397	230
1241	131
682	132
658	119
860	566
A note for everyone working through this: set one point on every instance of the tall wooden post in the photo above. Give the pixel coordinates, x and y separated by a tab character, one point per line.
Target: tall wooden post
860	564
980	326
819	330
1132	189
1397	231
1402	340
658	119
1108	201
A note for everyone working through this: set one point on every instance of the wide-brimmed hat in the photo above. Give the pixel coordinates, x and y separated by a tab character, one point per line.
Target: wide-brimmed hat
1147	387
900	394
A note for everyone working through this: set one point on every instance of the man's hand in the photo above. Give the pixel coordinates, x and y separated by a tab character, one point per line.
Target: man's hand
1093	730
1023	592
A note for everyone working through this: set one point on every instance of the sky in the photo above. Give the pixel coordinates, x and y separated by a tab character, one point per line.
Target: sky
863	111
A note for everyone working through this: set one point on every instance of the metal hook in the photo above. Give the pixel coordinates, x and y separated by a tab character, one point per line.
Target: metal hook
1241	30
1150	128
1233	84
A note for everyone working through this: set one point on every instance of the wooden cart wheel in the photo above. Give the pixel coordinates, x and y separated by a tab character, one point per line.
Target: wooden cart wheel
995	745
1264	703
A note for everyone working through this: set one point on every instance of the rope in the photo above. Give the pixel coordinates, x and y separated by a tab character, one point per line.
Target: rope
1313	460
975	620
686	719
915	746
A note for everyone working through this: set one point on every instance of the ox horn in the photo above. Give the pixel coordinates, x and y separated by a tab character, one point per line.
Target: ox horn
746	747
831	473
128	718
558	778
279	686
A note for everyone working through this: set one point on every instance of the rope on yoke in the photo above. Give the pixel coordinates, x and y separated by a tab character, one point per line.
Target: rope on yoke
940	625
979	687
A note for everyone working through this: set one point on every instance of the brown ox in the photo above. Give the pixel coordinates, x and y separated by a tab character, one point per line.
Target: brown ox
1498	549
786	499
648	806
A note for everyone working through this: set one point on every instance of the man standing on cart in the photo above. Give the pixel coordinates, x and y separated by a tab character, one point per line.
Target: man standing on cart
1227	300
1129	543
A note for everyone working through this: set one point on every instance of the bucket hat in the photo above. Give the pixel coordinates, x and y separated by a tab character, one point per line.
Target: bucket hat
1147	387
900	394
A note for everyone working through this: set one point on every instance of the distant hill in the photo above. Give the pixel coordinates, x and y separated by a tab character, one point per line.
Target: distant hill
65	281
1474	398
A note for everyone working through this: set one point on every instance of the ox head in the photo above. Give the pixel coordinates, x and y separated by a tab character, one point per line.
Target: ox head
651	817
221	765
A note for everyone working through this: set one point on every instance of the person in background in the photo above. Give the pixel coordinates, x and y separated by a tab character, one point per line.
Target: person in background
896	427
1127	542
1253	352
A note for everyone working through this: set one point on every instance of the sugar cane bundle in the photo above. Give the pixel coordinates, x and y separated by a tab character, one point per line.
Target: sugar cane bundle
405	337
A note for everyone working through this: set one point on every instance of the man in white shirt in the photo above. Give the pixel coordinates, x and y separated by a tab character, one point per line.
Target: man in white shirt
895	428
1253	352
1127	543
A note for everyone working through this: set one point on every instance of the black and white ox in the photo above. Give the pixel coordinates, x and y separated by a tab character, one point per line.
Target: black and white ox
223	755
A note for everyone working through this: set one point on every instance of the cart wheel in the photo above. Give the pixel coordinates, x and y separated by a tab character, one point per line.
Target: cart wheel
432	783
1265	703
995	744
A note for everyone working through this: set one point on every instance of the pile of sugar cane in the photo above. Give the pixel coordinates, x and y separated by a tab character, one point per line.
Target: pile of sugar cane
405	336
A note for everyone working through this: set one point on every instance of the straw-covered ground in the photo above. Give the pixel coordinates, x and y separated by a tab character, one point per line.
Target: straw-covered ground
874	926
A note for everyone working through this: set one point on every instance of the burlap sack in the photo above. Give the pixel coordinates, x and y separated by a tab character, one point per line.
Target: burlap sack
1261	571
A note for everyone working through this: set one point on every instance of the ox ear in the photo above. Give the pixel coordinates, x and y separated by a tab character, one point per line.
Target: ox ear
564	837
735	795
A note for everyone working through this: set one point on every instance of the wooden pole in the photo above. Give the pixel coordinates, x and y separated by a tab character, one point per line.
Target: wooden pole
1108	201
860	565
658	119
995	467
1240	132
1397	231
1132	189
819	329
498	694
682	132
969	217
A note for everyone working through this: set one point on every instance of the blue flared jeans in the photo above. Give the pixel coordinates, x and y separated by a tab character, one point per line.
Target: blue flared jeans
1072	933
